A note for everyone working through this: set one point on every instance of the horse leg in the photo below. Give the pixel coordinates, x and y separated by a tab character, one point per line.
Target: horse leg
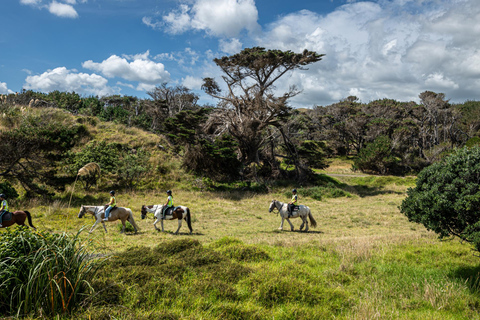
303	223
179	225
94	225
124	226
291	225
281	224
161	221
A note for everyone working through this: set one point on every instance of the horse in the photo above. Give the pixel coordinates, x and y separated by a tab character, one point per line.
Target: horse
18	217
180	212
124	214
303	212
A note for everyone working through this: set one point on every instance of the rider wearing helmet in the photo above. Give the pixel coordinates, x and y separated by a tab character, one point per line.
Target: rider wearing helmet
292	202
169	203
111	205
3	207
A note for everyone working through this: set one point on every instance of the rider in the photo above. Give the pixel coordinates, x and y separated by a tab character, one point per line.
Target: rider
111	204
169	203
3	207
292	202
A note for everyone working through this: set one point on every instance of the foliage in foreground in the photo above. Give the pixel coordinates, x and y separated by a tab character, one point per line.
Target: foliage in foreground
227	279
446	198
43	273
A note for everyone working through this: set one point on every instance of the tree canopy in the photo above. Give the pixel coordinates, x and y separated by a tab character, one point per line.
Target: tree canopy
250	107
446	198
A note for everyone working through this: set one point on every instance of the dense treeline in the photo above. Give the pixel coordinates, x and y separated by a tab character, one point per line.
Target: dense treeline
251	135
385	136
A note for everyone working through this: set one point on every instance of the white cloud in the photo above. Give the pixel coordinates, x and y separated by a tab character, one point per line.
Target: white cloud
187	57
4	89
387	49
133	68
149	22
192	83
62	10
178	21
438	81
30	2
230	46
215	17
63	79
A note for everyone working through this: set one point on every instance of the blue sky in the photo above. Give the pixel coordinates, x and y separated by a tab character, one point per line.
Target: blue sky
374	49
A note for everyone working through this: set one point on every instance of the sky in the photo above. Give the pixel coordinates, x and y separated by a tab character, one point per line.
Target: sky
376	49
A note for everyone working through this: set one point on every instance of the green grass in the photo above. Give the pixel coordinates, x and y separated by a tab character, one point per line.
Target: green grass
365	260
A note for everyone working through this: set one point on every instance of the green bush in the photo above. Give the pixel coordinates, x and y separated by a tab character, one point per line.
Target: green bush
8	190
376	157
43	274
446	198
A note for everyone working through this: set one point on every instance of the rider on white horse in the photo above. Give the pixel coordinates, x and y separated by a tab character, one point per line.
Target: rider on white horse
293	202
168	204
111	205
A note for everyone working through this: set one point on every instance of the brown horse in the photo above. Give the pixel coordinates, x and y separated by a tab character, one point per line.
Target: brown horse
124	214
18	217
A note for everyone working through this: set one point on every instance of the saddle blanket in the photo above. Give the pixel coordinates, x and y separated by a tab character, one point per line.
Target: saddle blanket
7	216
170	210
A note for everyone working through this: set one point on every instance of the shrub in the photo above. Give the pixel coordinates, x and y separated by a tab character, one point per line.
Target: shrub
446	198
376	157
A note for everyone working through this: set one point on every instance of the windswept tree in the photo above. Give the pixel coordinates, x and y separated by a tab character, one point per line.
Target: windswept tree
249	106
167	102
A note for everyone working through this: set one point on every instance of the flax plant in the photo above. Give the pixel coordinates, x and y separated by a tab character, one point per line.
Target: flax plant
47	274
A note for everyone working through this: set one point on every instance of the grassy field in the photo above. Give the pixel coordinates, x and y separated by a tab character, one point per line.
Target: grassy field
363	261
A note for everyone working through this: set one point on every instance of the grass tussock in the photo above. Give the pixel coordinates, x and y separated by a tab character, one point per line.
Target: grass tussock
43	273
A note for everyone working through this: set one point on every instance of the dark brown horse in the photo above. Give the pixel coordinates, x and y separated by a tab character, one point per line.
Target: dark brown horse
18	217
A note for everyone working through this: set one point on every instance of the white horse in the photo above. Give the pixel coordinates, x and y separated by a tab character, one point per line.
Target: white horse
180	213
124	214
302	212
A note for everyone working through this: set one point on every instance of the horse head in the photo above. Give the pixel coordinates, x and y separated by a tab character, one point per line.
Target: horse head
144	211
272	206
82	212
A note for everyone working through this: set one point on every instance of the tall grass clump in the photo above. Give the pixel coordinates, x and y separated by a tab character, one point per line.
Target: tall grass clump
42	273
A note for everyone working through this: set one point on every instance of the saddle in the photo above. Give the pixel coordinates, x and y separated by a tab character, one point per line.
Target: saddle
170	210
7	216
295	208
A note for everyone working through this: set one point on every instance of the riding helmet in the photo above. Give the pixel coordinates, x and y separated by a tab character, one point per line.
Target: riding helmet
294	190
169	192
112	192
3	196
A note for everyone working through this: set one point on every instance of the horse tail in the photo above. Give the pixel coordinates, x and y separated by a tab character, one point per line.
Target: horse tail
313	223
29	217
188	218
132	221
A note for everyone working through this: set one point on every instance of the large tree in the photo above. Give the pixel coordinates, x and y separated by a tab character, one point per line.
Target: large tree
446	198
249	106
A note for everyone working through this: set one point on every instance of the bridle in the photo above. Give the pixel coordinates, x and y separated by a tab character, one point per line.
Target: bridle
276	207
154	209
84	211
